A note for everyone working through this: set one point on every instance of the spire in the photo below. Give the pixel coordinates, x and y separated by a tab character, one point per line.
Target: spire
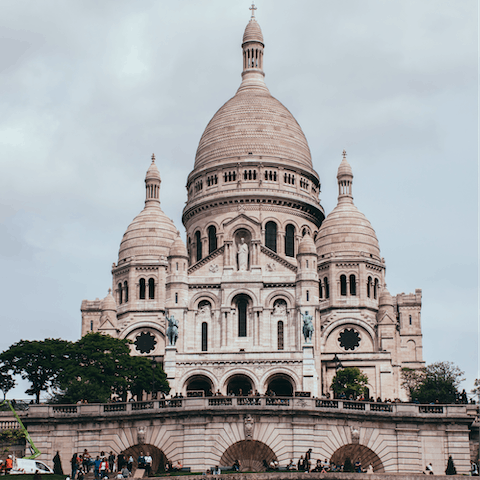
345	180
152	184
253	46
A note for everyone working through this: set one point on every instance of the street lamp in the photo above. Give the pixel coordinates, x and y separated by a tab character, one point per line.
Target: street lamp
338	363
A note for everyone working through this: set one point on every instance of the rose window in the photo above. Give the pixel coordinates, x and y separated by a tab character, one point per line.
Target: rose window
349	339
145	342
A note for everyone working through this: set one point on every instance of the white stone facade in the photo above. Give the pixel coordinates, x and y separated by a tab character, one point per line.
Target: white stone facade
259	255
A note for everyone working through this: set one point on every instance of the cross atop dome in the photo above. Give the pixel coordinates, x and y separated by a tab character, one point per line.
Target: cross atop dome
253	8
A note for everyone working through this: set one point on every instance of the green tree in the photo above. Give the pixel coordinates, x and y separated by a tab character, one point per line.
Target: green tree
349	381
39	362
100	366
450	470
411	380
440	383
7	382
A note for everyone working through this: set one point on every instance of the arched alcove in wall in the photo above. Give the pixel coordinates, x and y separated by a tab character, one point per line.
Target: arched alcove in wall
239	385
281	385
159	459
356	452
199	382
251	455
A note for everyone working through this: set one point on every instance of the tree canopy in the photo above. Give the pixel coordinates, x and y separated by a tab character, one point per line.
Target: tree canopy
350	381
39	362
93	369
438	382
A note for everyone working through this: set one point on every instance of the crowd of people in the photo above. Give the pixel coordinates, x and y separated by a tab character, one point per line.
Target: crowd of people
108	466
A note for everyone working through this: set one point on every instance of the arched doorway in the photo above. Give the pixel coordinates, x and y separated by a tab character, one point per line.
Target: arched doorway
159	459
251	455
356	452
280	385
239	385
200	382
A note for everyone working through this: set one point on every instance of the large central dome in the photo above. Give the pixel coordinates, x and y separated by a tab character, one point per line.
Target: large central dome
253	122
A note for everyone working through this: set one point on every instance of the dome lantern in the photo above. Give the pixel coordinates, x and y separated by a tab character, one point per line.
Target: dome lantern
345	180
252	45
152	184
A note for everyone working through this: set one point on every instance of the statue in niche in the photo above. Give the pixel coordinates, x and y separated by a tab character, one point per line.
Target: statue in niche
205	310
307	327
141	435
242	254
280	308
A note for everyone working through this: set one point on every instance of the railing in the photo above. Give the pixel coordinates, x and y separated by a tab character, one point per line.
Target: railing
326	403
65	409
115	407
220	401
248	401
430	409
381	407
277	401
9	425
142	405
354	405
158	407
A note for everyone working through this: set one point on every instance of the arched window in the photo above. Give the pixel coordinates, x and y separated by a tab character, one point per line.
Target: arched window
308	296
176	297
91	325
204	336
271	236
320	290
125	291
198	241
212	239
142	289
343	285
151	288
327	287
410	319
375	288
369	286
280	335
242	317
290	240
353	285
120	294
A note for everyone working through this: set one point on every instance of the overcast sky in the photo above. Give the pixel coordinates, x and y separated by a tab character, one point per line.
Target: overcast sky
88	90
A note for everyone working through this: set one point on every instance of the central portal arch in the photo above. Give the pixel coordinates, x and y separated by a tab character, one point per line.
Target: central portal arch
356	452
250	453
159	459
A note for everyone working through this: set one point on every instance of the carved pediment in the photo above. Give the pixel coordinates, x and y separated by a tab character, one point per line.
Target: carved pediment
271	264
243	218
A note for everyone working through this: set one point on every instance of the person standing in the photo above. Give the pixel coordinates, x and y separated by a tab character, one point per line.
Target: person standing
130	463
57	464
308	459
111	462
148	464
74	462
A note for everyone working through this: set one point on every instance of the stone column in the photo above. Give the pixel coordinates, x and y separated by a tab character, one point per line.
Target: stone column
169	366
309	373
229	265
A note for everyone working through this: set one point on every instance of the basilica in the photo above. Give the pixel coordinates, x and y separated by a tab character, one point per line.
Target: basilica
268	294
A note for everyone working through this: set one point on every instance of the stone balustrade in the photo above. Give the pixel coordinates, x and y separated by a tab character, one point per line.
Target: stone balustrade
259	403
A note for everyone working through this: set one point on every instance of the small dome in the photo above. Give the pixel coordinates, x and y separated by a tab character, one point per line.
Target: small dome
178	248
108	303
152	172
149	236
347	231
385	299
307	246
253	32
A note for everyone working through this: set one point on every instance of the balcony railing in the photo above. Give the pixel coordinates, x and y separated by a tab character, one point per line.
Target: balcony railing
160	407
